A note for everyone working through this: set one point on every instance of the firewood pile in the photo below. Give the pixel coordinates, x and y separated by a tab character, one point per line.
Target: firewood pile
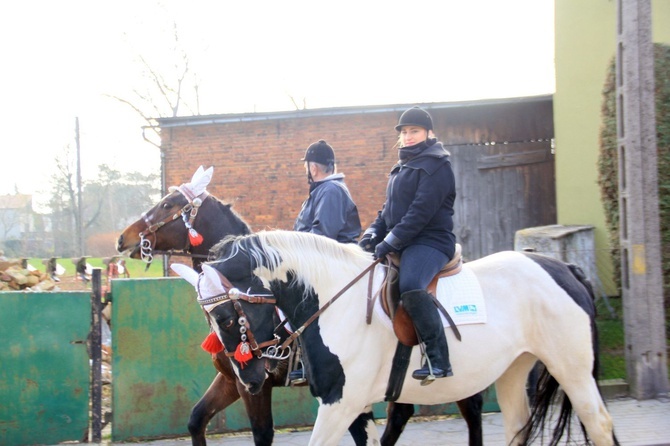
16	275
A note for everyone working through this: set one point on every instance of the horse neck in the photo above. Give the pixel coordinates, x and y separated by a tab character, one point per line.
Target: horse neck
214	226
316	286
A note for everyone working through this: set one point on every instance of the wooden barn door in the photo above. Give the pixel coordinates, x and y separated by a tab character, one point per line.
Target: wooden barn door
501	188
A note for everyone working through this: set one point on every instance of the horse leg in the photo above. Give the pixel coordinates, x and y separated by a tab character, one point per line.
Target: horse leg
397	415
512	399
588	403
332	421
471	411
220	394
361	429
575	376
259	410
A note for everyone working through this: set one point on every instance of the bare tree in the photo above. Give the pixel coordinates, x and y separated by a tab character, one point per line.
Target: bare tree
63	203
162	95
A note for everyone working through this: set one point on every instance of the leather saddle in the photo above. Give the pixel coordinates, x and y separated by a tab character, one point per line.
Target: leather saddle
390	296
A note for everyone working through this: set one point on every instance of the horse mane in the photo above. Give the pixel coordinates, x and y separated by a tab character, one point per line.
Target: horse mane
227	209
302	253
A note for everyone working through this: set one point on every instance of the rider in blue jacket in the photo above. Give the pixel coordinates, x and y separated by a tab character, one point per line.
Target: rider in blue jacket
417	222
329	210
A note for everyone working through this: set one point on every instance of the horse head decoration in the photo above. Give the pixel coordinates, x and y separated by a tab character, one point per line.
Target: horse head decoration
184	218
538	309
228	310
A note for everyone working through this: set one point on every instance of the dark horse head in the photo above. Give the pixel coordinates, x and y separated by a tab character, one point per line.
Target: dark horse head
241	312
188	219
243	258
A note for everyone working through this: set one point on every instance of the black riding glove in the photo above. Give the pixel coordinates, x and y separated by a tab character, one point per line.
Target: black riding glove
368	242
383	249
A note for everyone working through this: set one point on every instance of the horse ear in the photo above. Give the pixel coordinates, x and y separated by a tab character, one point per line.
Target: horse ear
210	284
200	180
187	273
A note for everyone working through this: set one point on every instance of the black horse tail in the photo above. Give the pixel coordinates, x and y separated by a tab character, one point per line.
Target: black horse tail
573	280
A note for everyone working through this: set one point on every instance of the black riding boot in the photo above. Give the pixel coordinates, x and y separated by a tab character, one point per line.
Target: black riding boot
420	307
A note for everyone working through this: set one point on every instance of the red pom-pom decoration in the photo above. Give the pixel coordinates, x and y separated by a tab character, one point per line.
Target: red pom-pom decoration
212	344
194	237
243	353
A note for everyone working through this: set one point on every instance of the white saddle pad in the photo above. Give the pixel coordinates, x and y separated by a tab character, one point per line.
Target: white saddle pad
462	297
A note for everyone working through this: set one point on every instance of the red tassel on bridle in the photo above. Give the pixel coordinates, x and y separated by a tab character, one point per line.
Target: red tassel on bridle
212	344
194	237
243	353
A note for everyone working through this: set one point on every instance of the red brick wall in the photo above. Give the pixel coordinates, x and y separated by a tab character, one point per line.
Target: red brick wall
257	164
256	157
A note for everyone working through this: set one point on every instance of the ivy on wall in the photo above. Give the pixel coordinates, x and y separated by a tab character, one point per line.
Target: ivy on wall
608	166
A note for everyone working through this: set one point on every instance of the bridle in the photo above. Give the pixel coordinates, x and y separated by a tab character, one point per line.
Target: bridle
248	340
274	350
187	213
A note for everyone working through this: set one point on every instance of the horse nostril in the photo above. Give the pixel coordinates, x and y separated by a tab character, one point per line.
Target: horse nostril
119	242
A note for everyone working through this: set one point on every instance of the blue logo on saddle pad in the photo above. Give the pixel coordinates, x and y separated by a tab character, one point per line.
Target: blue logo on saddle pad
465	309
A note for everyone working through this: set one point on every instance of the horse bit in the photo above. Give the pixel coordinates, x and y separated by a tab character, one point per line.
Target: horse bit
187	213
248	342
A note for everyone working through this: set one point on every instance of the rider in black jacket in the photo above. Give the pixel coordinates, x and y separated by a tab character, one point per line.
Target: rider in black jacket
417	222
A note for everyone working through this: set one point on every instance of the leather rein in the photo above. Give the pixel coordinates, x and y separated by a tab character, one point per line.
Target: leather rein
188	213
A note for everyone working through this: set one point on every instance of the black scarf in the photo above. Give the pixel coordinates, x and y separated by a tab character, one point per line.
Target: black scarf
407	153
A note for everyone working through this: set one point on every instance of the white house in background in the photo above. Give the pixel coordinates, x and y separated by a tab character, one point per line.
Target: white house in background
16	216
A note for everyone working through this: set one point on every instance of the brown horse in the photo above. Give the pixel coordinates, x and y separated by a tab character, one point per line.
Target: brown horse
190	220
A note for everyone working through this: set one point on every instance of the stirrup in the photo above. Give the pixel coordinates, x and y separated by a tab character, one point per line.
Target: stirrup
296	380
432	376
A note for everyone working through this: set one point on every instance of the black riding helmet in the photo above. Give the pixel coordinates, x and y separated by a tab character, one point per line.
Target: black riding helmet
415	116
320	152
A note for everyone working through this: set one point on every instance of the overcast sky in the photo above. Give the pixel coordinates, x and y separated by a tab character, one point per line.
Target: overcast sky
65	59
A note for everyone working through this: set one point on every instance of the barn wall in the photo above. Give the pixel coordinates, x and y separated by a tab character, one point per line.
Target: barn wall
256	157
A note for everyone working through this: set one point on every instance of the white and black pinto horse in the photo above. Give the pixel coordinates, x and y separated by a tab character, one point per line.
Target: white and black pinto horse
538	309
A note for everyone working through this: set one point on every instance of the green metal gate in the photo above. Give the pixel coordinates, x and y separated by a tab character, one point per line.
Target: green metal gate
44	367
160	371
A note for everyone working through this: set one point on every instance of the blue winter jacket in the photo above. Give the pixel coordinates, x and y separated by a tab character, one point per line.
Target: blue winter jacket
329	210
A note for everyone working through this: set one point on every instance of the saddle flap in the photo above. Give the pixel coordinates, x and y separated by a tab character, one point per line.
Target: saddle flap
403	327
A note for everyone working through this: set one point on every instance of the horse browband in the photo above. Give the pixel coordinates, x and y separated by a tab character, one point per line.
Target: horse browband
188	207
192	205
234	295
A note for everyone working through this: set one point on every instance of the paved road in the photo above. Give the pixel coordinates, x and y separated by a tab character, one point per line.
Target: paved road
636	423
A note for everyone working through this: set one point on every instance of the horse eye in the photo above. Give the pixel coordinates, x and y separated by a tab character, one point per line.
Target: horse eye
166	205
229	324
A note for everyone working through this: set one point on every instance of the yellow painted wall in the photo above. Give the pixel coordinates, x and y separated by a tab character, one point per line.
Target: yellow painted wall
584	45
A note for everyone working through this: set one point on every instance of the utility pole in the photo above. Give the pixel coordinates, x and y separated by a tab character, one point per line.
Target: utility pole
642	279
79	219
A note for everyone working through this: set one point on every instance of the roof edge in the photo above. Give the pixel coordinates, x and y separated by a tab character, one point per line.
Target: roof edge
186	121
